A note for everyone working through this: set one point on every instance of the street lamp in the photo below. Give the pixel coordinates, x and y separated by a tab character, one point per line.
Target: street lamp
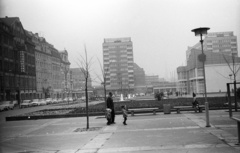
202	58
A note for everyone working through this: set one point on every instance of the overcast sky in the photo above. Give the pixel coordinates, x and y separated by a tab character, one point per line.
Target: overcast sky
160	29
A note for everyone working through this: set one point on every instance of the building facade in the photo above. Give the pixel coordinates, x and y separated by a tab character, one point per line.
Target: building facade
118	65
17	66
139	76
222	42
43	58
151	79
78	83
190	77
30	67
56	81
65	78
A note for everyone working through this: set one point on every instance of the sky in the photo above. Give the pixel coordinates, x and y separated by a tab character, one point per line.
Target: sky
160	30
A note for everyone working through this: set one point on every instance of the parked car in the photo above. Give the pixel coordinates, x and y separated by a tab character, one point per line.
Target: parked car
6	105
35	102
49	101
74	98
15	102
60	100
26	103
54	100
65	99
42	102
70	99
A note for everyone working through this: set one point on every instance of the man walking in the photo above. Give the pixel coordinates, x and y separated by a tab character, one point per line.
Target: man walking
111	106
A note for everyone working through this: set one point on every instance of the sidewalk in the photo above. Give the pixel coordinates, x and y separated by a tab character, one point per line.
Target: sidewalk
172	133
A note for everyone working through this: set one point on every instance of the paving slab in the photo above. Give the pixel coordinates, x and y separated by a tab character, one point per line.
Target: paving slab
185	132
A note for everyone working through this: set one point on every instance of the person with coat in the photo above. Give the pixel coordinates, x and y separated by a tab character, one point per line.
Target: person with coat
110	105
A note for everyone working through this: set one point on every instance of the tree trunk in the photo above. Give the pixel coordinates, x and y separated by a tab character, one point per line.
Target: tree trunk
235	95
105	93
86	93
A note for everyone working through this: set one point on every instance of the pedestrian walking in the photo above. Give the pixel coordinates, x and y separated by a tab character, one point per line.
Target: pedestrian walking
110	105
125	114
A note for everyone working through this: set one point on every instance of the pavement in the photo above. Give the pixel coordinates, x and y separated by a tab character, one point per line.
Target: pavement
160	133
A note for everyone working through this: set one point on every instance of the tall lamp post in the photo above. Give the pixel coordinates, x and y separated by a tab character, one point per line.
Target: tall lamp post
202	58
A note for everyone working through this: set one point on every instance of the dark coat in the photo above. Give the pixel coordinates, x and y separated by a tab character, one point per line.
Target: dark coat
110	103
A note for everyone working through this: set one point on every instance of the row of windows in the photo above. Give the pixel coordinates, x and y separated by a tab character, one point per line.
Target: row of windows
122	46
7	53
6	40
222	41
43	57
56	86
24	83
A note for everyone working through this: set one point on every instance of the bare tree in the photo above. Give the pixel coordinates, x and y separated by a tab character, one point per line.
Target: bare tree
103	81
234	67
85	66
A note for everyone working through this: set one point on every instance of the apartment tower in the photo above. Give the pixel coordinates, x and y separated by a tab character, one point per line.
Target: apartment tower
118	65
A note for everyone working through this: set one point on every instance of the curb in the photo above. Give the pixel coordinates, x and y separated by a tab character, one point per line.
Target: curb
36	117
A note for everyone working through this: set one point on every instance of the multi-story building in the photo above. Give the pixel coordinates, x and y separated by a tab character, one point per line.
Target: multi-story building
139	80
43	65
78	82
17	67
151	79
223	42
118	64
56	83
190	77
52	69
139	75
65	73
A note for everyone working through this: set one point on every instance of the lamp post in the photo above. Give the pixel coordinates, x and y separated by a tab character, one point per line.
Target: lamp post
202	58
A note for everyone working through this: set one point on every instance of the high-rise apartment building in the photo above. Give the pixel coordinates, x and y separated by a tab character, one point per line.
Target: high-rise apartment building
118	64
223	42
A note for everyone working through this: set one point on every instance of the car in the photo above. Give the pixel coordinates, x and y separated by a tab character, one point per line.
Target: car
65	99
54	100
70	99
6	105
74	98
59	100
49	101
35	102
25	103
42	102
15	102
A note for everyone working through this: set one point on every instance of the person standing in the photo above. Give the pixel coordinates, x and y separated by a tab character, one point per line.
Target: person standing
125	114
194	96
110	105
